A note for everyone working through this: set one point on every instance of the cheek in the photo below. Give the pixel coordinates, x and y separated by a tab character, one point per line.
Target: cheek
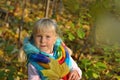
36	41
52	42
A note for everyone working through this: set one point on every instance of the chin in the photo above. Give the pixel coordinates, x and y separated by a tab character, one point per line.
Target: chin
44	50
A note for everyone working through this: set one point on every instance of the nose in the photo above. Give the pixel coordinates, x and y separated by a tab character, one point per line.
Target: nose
42	40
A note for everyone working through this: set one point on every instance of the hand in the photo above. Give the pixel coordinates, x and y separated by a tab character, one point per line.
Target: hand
74	75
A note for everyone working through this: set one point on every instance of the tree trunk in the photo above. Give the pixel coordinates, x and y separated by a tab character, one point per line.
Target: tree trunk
47	8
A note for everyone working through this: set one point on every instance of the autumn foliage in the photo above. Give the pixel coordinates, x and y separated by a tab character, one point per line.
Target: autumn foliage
76	22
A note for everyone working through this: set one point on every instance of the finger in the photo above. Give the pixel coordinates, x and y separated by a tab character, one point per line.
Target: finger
70	77
76	77
73	76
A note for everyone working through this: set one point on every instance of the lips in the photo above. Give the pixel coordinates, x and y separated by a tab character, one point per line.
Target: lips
42	45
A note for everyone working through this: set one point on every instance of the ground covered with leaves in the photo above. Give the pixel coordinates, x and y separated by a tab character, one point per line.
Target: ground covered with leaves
17	19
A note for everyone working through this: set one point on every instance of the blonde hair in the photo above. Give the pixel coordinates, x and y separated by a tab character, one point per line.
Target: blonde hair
45	24
22	56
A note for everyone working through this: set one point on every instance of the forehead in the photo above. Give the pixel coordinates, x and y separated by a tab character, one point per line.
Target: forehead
48	32
45	31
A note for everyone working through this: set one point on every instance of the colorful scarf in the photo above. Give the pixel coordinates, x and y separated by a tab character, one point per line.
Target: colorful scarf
49	67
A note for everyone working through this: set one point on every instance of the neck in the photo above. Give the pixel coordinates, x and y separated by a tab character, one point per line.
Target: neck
48	52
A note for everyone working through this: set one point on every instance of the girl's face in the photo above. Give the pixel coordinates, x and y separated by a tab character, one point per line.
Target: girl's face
45	40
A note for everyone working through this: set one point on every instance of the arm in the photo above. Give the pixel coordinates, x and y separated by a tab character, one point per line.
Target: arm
75	72
32	73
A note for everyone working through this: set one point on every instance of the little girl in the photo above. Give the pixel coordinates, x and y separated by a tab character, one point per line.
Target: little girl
48	57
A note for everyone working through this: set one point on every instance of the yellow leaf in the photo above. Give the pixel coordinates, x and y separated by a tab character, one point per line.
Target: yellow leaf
34	6
24	34
17	78
16	36
56	71
1	52
28	19
26	12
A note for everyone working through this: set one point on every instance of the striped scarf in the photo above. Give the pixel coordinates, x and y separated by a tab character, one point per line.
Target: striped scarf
49	67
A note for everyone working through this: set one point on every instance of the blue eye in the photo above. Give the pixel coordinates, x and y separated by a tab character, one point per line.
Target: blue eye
47	36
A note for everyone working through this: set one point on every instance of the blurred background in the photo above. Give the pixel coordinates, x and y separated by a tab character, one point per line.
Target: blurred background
89	27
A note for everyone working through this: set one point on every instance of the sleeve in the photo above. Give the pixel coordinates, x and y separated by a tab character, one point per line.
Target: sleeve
32	73
75	67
